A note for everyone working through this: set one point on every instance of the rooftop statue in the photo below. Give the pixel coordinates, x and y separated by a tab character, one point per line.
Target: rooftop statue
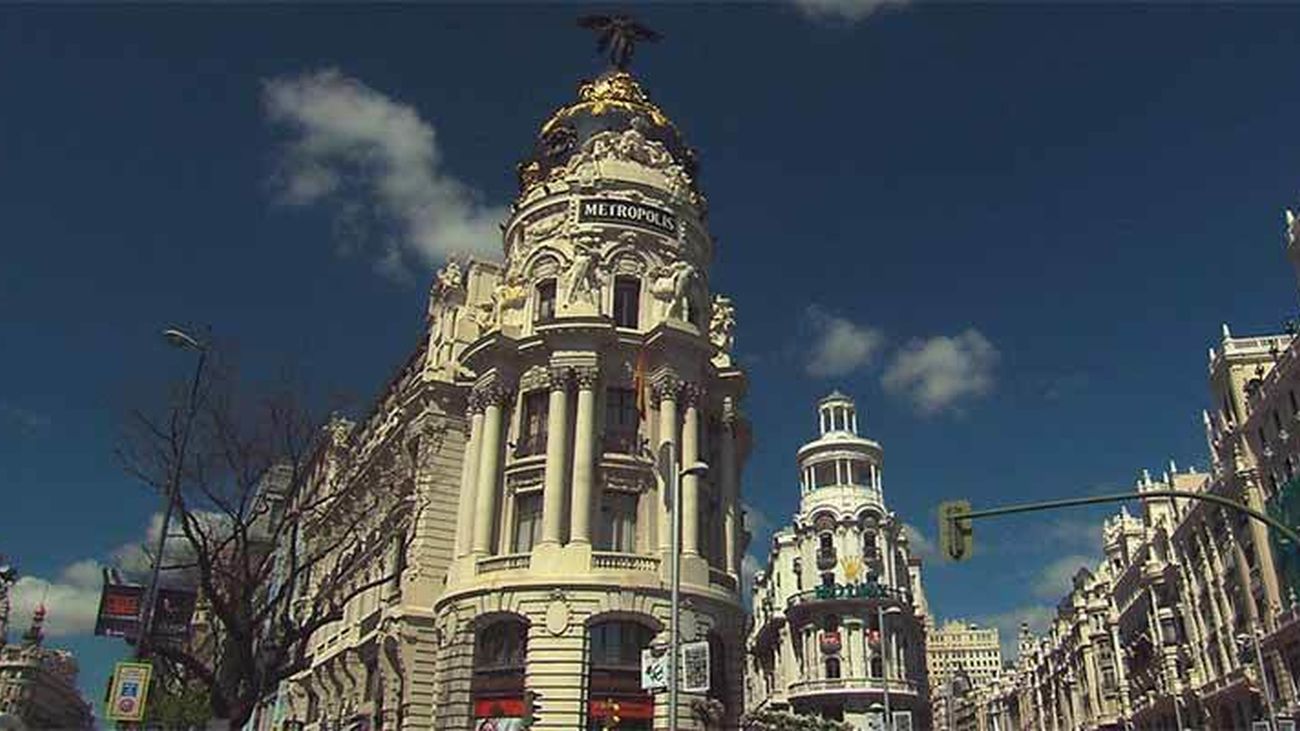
618	36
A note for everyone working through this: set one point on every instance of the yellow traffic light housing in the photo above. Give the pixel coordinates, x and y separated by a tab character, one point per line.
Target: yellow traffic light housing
956	534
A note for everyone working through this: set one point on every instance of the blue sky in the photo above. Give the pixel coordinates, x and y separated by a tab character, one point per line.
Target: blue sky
1011	232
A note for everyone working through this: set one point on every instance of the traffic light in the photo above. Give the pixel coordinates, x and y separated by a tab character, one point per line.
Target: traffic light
612	717
956	535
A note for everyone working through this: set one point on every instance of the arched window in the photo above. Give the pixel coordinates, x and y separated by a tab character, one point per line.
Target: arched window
500	652
615	675
545	300
826	542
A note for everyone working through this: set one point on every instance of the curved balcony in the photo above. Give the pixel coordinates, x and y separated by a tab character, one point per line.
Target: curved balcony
718	577
511	562
807	689
624	561
845	599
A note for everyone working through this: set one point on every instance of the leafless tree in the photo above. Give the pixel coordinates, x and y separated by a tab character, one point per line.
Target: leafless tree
285	518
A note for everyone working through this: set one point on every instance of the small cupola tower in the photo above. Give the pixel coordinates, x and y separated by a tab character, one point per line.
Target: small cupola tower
837	413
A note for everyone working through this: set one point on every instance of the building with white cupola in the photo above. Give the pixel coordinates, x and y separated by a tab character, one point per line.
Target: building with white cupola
839	614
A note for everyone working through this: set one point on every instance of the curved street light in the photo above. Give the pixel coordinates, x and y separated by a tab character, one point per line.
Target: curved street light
698	469
180	339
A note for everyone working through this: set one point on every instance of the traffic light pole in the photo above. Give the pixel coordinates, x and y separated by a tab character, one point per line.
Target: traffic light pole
1289	533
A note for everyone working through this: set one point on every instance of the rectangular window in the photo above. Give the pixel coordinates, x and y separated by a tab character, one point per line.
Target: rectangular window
627	302
532	429
621	421
528	521
618	522
546	300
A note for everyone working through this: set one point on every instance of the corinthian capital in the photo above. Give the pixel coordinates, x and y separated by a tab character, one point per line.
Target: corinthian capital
493	394
693	395
586	377
559	378
474	403
666	385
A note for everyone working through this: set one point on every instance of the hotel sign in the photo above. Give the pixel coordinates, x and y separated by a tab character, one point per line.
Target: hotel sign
866	590
627	213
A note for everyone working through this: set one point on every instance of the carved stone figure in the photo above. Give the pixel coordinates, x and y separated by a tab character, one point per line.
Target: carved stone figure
582	277
669	285
1291	233
722	324
450	277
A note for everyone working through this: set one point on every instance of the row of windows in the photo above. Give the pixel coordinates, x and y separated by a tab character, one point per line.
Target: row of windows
622	419
626	306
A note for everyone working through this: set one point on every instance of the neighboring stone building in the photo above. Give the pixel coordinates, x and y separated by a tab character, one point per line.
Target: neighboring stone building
960	647
38	685
817	644
536	422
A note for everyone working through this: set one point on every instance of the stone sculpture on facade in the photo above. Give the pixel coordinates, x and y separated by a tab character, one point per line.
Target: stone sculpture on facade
583	280
670	284
722	325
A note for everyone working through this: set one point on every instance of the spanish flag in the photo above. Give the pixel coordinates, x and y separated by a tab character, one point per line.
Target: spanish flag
639	383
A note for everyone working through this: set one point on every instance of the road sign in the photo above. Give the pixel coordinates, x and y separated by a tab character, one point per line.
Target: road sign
956	535
654	669
126	701
695	667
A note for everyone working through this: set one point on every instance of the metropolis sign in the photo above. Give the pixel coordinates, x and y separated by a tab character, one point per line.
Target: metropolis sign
627	213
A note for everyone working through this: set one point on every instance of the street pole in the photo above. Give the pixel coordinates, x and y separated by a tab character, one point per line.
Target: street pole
173	487
884	664
1263	679
675	639
675	577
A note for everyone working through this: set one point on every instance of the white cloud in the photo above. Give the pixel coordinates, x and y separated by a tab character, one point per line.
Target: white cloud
846	10
1039	617
938	373
71	600
379	162
1056	579
922	547
841	346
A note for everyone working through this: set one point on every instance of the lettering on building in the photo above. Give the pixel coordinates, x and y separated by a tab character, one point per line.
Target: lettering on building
626	213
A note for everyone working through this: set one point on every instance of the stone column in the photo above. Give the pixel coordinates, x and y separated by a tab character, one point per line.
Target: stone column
665	394
1254	498
494	399
692	394
557	432
469	477
731	517
584	454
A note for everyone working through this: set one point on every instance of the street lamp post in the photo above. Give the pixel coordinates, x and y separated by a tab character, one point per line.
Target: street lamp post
885	657
1263	676
179	339
699	469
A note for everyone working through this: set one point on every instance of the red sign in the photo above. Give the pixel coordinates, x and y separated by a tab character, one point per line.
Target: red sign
627	708
119	610
831	642
499	708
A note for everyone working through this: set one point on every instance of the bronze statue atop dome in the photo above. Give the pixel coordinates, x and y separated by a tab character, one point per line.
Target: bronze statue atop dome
618	35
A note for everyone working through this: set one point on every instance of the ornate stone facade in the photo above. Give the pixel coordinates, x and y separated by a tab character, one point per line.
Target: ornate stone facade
542	418
38	685
839	612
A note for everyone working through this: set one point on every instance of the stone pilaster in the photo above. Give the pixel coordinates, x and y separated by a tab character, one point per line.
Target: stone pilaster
692	397
469	477
584	454
487	500
557	430
665	389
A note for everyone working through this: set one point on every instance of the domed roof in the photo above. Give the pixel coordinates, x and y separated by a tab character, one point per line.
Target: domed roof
614	102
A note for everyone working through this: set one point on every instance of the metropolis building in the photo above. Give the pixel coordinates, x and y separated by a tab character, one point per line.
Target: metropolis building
839	614
538	420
